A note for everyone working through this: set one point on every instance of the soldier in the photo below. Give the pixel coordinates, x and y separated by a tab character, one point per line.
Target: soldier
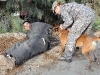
37	42
77	16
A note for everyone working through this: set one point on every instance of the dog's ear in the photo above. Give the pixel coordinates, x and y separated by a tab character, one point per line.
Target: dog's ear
55	29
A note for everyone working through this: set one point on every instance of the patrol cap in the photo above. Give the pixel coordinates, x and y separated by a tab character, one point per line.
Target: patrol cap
55	3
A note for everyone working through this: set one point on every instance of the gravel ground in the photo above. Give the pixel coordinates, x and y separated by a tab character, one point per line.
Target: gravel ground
47	64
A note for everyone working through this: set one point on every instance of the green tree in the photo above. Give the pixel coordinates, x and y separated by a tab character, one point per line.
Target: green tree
38	9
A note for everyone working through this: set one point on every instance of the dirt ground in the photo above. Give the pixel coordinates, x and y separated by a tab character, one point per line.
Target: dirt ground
47	64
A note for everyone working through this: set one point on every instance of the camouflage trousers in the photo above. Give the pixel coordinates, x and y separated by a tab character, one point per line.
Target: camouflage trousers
80	25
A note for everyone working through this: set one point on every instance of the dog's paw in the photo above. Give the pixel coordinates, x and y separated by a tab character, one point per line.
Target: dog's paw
98	63
87	67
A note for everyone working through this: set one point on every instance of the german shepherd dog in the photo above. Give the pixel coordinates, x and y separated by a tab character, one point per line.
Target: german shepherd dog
88	43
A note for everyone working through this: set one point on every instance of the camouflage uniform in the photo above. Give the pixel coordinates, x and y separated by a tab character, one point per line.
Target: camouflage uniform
81	18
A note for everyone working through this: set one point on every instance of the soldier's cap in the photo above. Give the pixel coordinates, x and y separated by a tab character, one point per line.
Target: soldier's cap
55	3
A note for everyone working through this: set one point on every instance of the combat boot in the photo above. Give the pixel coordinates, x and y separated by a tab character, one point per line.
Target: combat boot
62	58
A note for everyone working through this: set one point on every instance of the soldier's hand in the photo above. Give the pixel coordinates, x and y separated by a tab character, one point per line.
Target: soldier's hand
61	27
68	29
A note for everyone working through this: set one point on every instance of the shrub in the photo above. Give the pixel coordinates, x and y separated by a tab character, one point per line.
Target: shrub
96	25
16	24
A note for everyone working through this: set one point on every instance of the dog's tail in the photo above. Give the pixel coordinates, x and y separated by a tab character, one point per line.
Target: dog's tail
96	43
96	39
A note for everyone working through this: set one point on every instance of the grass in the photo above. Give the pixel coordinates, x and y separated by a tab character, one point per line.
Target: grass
96	25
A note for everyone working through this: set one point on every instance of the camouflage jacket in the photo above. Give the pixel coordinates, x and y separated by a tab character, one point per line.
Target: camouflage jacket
72	11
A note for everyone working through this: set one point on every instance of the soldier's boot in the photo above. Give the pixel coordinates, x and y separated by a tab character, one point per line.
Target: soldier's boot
7	61
66	57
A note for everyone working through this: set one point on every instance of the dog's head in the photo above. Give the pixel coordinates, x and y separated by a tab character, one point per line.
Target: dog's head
56	29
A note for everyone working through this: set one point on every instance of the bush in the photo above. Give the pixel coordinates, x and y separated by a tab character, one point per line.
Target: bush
11	23
96	25
16	24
